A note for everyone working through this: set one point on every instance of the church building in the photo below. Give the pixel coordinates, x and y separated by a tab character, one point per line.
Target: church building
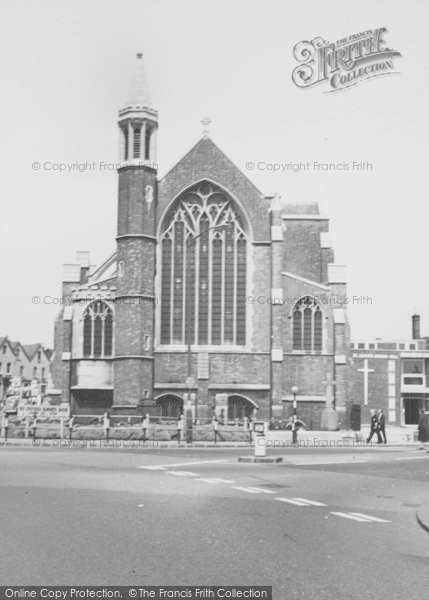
218	298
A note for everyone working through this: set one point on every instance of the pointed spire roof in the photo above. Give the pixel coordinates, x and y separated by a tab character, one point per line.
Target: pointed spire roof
138	93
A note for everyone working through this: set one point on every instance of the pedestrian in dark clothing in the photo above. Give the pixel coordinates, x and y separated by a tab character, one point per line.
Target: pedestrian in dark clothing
374	427
421	425
381	427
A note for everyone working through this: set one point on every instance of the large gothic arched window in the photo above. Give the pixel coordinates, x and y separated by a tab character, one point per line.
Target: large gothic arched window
307	325
97	330
203	280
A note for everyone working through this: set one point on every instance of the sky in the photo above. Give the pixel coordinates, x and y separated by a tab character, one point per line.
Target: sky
66	67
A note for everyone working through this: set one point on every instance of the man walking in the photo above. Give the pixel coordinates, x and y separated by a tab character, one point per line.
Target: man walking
381	427
374	427
421	425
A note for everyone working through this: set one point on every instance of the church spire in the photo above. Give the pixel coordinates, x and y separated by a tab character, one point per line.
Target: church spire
138	121
138	95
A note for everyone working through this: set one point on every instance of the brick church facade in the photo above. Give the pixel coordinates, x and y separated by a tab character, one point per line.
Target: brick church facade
218	297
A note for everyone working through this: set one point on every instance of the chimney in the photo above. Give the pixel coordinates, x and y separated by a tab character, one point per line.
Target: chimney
416	327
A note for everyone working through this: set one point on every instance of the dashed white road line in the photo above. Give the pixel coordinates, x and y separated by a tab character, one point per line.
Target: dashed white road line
359	517
311	502
410	457
186	464
213	480
245	489
155	468
261	490
298	463
370	518
347	516
183	473
290	501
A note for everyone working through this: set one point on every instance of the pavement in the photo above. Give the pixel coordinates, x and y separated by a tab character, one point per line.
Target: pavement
396	436
326	522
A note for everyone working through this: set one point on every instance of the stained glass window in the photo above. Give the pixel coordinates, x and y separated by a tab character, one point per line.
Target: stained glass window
307	326
204	270
98	330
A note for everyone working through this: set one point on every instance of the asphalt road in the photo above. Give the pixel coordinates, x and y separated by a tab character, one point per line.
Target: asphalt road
323	524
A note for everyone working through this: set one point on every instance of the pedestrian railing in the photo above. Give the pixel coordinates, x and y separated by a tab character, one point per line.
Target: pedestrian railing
146	428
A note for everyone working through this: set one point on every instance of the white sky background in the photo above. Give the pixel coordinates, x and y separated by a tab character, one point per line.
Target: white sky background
65	69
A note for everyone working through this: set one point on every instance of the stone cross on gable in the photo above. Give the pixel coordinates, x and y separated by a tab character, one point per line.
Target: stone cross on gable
205	123
366	371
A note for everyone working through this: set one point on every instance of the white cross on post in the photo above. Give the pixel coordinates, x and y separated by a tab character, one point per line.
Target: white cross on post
205	123
365	372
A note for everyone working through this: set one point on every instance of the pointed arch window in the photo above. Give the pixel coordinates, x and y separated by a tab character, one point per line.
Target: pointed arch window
307	326
98	330
204	270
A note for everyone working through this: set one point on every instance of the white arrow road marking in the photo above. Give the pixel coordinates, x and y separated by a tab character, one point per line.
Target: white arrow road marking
183	473
186	464
248	490
376	519
347	516
290	501
310	502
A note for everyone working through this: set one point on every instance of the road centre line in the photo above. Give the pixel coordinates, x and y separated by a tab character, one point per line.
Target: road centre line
369	517
325	462
311	502
349	516
260	490
213	480
290	501
186	464
410	457
244	489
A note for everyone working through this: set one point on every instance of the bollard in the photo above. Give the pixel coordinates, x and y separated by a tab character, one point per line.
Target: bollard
107	425
34	427
61	427
71	428
6	427
260	429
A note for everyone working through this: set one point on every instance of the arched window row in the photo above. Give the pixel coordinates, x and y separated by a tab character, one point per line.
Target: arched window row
98	330
307	324
203	281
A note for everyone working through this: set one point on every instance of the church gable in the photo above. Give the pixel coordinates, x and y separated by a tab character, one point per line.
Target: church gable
205	161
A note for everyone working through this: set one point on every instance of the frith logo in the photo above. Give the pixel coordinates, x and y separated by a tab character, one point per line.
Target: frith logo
344	63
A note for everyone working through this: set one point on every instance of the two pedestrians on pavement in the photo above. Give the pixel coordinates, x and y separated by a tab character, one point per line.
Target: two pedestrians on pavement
378	426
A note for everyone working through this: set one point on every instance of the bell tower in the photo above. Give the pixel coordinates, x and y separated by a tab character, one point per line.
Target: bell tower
136	249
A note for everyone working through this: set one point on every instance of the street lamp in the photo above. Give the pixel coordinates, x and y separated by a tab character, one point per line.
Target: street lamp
193	238
294	391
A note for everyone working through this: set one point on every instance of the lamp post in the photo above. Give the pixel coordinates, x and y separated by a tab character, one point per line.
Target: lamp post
189	239
294	391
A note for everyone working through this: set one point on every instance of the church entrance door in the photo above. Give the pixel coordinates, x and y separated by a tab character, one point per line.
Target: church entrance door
412	405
